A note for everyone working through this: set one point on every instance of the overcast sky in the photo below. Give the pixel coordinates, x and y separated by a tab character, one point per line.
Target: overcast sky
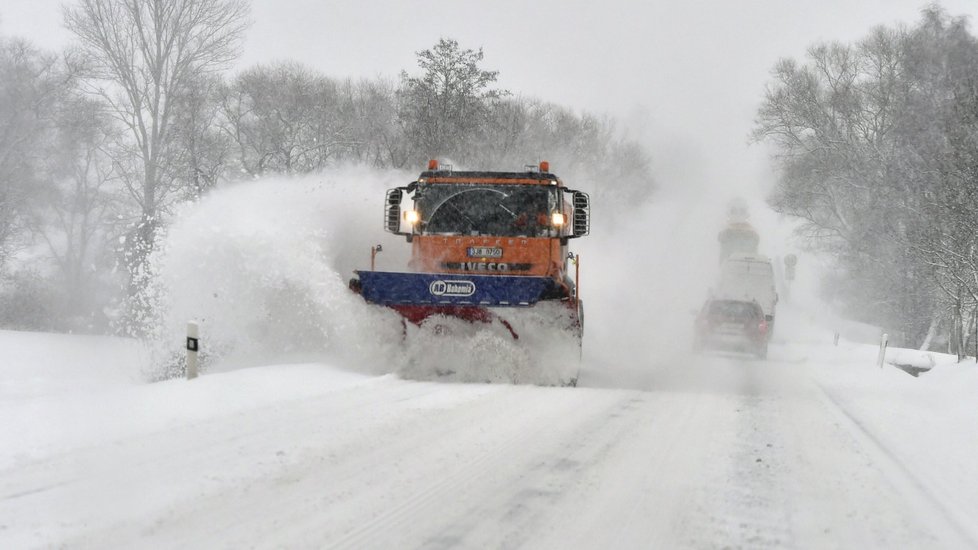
685	76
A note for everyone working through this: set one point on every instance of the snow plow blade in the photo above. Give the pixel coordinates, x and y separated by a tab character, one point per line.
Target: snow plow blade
450	290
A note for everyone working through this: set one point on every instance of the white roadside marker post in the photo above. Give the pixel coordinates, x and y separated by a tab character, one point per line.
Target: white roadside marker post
882	355
192	347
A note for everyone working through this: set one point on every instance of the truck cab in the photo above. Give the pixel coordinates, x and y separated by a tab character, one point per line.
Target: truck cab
506	223
481	241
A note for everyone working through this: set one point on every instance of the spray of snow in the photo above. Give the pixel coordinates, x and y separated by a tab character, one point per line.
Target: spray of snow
263	267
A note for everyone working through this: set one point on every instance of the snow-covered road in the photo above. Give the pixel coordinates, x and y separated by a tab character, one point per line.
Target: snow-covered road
721	451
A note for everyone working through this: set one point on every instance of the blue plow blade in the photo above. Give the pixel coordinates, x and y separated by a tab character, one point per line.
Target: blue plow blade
391	288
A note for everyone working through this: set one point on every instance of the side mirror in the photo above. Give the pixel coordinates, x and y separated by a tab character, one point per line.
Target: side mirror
392	210
582	214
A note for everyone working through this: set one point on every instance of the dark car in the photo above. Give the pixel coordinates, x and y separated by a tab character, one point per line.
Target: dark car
732	325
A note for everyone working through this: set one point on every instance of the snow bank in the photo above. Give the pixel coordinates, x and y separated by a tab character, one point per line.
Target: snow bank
928	422
37	364
923	360
61	392
63	422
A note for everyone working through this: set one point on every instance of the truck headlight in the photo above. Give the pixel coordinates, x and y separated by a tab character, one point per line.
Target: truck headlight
557	219
412	216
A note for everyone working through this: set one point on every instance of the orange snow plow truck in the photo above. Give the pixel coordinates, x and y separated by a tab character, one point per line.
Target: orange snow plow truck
482	242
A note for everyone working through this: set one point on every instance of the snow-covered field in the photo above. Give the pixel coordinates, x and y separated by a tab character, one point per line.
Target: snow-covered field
315	427
814	448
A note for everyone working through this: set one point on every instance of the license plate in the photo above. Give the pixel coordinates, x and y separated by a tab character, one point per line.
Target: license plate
730	329
485	252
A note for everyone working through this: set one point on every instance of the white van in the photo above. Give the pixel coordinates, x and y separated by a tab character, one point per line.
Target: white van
748	278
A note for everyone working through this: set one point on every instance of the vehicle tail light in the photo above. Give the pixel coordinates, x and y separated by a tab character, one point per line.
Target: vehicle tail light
762	327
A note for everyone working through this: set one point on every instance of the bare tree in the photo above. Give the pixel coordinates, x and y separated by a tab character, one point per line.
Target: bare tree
877	144
142	54
443	110
200	148
376	138
941	131
72	216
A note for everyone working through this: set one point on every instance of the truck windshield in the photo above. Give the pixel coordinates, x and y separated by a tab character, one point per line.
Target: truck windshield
507	210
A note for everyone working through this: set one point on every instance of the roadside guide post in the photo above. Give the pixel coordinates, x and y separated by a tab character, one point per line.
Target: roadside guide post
882	355
192	347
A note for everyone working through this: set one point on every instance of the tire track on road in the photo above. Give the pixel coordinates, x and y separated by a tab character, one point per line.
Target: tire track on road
508	466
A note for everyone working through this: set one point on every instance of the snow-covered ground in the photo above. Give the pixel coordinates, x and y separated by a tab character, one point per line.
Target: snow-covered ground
314	426
814	448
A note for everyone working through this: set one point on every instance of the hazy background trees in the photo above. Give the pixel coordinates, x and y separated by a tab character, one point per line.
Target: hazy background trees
99	142
877	148
32	84
286	119
74	218
33	88
876	144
